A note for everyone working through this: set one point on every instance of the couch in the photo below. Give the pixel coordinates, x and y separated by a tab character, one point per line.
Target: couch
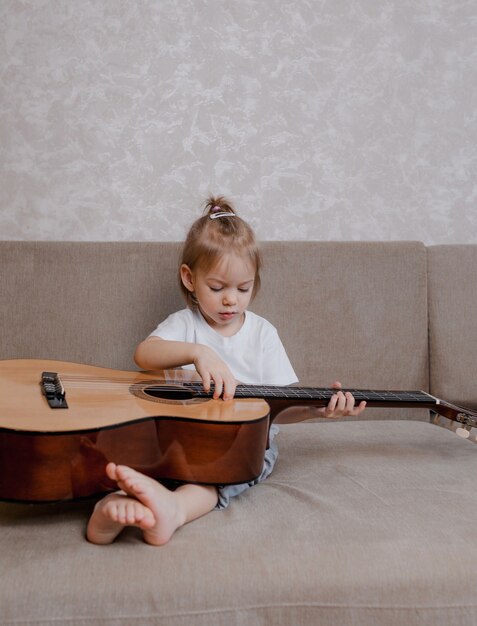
367	521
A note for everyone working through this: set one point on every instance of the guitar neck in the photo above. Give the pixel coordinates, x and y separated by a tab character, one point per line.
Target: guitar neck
281	398
318	396
321	396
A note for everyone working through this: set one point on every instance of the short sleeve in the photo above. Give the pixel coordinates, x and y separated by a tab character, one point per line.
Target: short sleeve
176	327
277	367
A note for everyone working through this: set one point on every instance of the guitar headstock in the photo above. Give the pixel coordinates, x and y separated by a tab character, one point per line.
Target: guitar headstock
464	419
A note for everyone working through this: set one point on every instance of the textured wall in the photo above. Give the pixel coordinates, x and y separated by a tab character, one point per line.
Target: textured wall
329	120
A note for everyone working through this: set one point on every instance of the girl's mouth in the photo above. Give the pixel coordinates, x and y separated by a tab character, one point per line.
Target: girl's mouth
227	315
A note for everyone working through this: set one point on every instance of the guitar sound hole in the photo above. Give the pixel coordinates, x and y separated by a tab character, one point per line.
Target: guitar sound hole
168	393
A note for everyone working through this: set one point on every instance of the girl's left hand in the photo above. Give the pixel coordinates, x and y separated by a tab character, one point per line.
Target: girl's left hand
341	405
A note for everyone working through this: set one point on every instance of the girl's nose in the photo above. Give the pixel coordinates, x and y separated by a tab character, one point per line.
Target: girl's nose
229	298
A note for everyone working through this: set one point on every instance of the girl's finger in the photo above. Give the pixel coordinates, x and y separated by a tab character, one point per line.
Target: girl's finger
350	402
219	386
332	403
229	389
341	404
205	381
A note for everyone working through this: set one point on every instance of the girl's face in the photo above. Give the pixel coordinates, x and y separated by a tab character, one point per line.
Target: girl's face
223	292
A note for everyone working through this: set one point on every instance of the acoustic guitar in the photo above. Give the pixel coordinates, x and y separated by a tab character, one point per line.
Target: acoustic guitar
61	423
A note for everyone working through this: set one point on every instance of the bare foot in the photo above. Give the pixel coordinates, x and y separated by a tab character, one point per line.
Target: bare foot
113	513
162	503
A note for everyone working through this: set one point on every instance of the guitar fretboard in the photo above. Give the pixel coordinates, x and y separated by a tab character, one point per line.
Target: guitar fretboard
321	395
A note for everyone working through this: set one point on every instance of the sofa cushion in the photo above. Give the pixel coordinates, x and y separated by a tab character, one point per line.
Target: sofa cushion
363	523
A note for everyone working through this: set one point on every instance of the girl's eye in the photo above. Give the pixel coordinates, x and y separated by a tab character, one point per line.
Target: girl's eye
245	290
216	288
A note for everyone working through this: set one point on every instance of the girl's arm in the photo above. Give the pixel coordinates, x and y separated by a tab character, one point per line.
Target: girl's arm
155	353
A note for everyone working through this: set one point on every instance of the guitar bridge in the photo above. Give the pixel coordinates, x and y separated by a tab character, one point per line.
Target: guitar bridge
53	390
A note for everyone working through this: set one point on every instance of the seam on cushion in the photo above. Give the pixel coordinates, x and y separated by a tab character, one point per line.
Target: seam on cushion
278	607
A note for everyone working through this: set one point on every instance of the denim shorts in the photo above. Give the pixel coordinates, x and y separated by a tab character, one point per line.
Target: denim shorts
227	492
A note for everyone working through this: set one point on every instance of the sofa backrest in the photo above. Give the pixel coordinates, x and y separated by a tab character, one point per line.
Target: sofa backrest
85	302
356	312
452	271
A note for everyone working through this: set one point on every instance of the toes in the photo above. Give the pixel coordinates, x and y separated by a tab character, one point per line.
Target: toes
111	471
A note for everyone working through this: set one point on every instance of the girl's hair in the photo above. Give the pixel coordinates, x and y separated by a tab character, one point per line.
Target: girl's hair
210	237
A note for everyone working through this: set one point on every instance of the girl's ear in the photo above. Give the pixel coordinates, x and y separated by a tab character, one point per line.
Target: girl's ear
187	278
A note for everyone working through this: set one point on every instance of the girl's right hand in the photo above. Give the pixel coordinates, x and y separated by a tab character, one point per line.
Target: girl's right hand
211	368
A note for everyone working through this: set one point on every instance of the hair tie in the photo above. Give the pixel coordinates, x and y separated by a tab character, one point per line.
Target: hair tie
217	212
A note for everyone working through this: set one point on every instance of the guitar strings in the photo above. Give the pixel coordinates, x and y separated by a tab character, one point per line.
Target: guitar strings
111	383
77	381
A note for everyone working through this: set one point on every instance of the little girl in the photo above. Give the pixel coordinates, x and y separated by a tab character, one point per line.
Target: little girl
224	342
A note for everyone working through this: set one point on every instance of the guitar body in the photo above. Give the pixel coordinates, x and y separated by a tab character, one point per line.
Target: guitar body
50	454
61	423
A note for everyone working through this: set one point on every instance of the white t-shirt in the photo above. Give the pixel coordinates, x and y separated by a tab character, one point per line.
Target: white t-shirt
255	354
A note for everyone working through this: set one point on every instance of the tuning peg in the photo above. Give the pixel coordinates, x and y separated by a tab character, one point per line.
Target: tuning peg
463	432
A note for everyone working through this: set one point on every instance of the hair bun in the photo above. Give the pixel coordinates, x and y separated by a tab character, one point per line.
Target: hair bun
218	204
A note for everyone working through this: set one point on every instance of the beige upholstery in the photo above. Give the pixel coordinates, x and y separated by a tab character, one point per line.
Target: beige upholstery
361	523
453	328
